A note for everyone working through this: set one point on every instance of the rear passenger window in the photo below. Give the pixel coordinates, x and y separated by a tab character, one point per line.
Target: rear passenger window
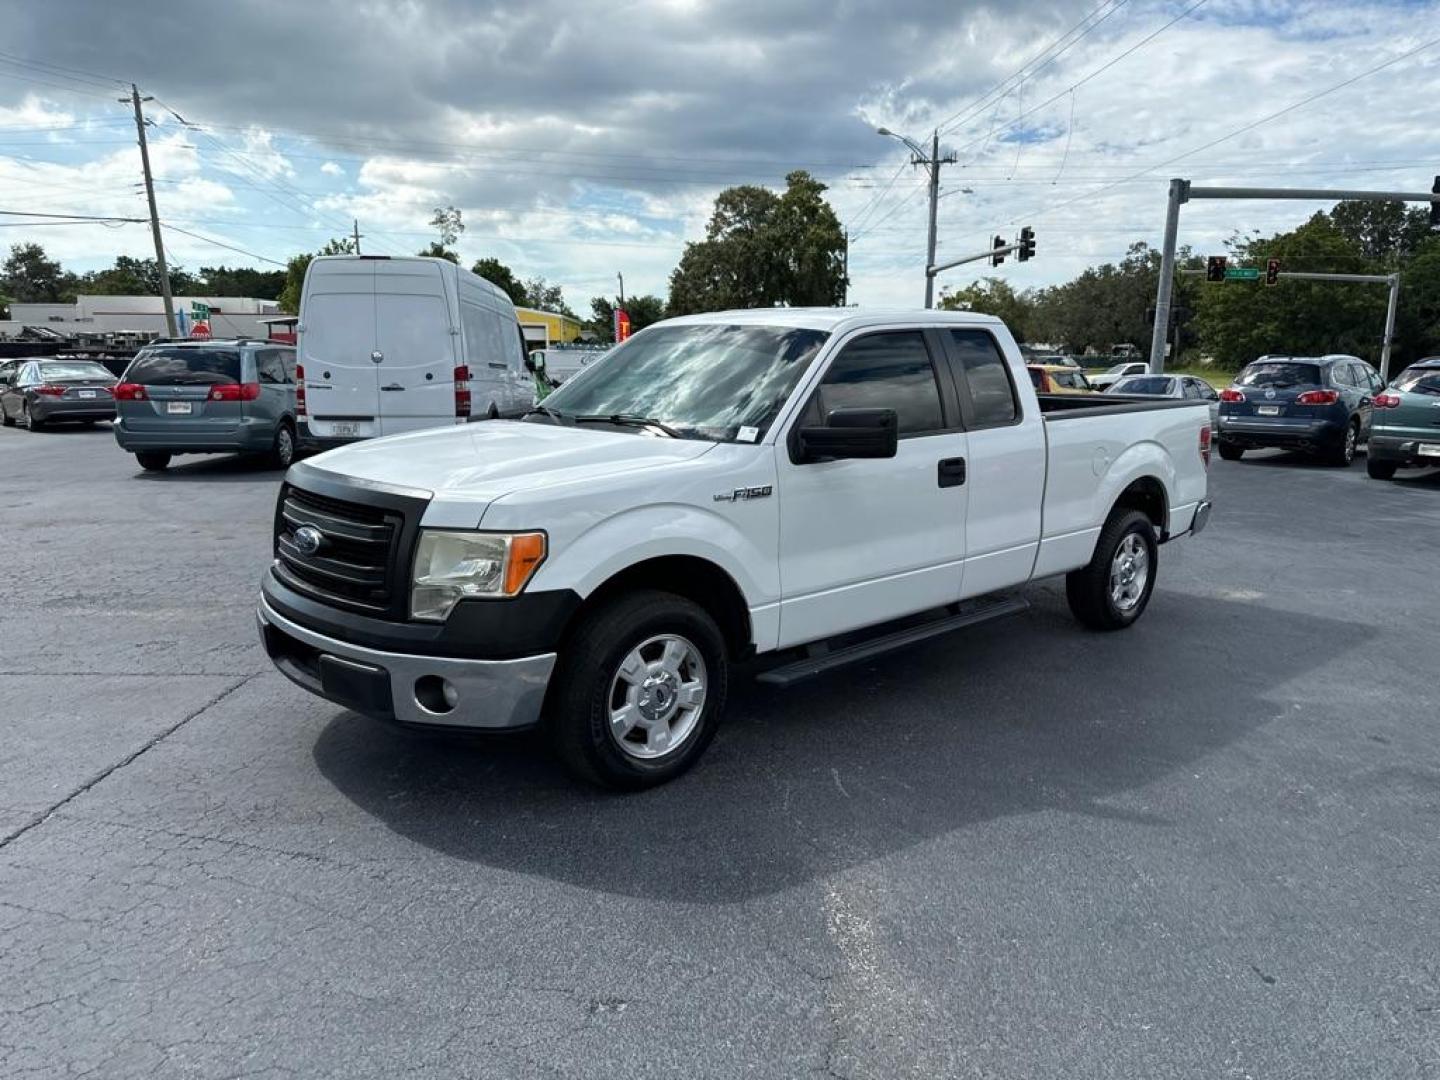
1340	375
885	371
270	368
987	376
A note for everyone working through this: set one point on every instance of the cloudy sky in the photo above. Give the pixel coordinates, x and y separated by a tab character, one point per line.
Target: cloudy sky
583	138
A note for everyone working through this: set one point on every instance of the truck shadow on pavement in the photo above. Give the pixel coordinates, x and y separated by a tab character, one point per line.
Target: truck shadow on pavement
1028	715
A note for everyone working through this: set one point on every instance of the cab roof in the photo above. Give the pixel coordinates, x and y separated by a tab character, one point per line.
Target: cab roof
834	320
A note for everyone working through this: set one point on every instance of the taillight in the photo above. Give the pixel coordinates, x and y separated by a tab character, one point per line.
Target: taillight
299	392
50	391
1231	394
246	391
1205	437
462	391
1386	401
1318	397
129	391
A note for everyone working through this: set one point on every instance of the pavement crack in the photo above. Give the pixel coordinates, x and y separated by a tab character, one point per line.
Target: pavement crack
45	815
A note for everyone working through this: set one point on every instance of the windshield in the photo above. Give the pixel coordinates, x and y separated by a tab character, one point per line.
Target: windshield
1420	381
74	371
182	366
1151	385
1279	373
706	381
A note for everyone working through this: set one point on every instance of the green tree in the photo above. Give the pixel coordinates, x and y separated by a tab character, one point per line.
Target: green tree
497	273
447	220
643	311
241	281
137	277
1417	327
1381	231
29	276
546	296
762	249
1239	321
295	272
993	296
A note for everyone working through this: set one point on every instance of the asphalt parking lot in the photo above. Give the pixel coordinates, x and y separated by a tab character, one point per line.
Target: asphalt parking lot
1207	847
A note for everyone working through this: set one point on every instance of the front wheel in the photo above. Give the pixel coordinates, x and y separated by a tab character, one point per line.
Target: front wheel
1381	470
639	692
1113	590
153	460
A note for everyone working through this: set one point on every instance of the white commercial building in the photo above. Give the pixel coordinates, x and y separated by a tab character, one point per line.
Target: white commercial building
141	317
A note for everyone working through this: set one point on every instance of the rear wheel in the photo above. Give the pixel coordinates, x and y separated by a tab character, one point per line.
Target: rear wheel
153	460
282	454
1113	590
1381	470
1231	452
5	418
1344	454
28	419
639	692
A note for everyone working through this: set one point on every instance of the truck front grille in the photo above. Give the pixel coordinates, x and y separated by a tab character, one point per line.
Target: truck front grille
358	560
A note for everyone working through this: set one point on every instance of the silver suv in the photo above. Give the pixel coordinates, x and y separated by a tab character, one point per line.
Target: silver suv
207	397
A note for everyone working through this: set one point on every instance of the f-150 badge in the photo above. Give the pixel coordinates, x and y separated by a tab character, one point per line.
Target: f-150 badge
745	493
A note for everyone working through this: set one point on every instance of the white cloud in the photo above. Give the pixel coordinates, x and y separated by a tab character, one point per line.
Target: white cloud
332	169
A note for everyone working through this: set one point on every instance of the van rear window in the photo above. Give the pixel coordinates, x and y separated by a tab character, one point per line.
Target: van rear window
184	366
1420	381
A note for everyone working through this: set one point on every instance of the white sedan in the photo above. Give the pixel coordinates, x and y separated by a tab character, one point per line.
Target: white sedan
1170	386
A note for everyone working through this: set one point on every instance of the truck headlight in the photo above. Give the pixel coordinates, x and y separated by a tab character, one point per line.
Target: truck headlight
452	566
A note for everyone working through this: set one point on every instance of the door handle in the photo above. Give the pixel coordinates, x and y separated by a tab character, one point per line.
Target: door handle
393	386
951	472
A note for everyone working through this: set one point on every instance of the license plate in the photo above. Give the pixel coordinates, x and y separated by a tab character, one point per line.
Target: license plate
87	393
181	407
1267	410
1429	449
341	431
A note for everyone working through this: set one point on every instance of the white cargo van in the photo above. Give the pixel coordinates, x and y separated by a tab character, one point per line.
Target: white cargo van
387	345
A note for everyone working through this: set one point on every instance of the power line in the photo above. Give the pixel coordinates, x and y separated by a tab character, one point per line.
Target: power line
70	217
220	244
103	80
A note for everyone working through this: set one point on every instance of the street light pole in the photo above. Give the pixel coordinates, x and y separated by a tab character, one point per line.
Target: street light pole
932	162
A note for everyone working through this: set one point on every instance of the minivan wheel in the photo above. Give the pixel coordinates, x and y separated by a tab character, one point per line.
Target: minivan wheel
639	692
1344	454
1381	470
1114	589
282	454
153	460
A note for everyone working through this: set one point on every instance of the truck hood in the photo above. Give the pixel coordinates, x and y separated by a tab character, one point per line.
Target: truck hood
475	464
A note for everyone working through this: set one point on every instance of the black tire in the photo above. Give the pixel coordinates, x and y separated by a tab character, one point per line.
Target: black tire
1381	470
583	694
153	460
282	454
1231	452
27	418
1343	455
1089	589
5	418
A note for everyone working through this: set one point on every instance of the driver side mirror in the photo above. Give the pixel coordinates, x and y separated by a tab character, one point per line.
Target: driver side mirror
852	433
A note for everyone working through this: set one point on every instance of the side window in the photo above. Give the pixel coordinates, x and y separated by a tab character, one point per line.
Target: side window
1208	392
884	371
287	361
1340	375
268	367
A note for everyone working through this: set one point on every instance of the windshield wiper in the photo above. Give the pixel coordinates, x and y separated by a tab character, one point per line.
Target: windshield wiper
548	412
627	420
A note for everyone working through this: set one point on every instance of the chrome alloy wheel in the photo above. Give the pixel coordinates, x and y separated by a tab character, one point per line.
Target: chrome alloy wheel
656	696
1129	573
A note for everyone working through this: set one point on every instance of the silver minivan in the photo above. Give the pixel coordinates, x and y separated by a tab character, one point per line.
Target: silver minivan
233	396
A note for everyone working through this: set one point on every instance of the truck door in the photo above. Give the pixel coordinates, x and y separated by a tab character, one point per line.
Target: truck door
1006	464
865	540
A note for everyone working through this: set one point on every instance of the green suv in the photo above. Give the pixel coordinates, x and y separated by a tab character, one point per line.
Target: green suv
1405	424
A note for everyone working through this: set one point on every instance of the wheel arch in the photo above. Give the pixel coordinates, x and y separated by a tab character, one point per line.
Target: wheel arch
1148	495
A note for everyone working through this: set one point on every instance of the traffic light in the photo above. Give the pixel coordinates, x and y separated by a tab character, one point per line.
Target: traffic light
999	256
1215	268
1435	206
1027	245
1272	271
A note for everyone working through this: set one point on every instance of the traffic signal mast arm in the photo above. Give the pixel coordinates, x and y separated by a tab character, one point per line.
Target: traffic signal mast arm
1026	243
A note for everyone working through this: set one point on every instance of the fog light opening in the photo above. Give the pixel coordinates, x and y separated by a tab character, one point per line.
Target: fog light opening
435	695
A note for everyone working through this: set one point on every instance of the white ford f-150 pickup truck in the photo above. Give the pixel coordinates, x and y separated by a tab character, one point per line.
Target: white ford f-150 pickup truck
791	488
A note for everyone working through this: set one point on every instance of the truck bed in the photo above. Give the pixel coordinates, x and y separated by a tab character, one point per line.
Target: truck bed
1071	406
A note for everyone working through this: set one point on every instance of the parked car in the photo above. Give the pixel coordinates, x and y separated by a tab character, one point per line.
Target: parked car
37	392
1316	404
1058	379
1170	386
1112	375
388	345
230	396
722	485
1405	427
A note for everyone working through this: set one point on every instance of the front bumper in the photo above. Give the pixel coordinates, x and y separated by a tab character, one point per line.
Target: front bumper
483	695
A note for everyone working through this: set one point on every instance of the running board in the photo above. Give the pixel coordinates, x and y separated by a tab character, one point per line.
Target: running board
821	659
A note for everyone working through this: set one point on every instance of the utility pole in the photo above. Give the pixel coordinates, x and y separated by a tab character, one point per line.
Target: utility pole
357	235
932	162
135	99
845	272
621	278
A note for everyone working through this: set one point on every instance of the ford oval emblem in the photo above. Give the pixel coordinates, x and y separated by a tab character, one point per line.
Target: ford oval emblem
309	540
